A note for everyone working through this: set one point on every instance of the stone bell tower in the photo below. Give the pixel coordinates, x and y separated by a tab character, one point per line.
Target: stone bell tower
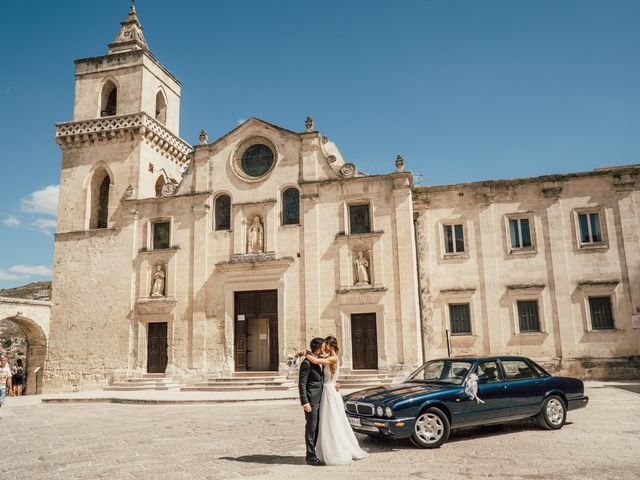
126	120
122	144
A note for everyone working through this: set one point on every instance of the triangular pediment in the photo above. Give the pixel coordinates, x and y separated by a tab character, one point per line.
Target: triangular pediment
249	124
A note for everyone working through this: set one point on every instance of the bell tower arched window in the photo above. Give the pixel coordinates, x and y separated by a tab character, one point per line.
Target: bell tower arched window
159	184
100	186
291	206
223	212
109	99
161	108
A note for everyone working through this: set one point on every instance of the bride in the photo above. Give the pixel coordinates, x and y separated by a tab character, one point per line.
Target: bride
336	444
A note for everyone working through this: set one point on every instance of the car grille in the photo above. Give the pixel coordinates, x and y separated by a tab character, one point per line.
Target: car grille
364	409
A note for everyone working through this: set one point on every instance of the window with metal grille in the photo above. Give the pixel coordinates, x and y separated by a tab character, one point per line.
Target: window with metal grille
291	206
601	313
590	231
359	219
460	318
223	212
161	235
453	238
528	319
520	233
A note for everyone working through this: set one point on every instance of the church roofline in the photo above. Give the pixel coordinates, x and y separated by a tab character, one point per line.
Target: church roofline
230	132
551	178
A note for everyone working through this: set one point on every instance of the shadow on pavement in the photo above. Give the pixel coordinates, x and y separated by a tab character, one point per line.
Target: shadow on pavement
376	444
629	387
268	459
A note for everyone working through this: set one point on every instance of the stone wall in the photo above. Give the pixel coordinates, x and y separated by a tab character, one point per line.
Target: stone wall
558	272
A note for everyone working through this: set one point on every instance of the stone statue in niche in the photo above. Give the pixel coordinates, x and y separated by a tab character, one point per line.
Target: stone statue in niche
361	265
159	282
255	237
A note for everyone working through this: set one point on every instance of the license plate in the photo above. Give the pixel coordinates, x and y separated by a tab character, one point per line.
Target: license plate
355	422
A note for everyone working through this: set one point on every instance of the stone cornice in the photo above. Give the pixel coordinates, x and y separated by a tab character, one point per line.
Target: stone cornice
625	175
70	134
599	283
252	263
351	236
25	301
361	289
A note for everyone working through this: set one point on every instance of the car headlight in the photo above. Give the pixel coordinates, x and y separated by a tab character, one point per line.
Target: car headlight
380	411
388	412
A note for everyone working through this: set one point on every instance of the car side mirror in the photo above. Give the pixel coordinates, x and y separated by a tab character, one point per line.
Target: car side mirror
483	379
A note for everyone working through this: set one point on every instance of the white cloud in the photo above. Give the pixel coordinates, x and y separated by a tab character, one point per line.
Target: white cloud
44	201
45	225
38	270
4	275
12	221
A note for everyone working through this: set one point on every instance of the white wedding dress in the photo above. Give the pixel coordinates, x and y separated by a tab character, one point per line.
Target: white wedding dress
336	444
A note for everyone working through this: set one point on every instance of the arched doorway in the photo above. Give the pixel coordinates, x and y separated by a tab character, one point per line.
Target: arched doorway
35	350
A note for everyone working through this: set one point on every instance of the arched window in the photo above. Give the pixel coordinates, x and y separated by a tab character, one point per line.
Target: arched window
291	206
100	185
223	212
159	184
161	108
109	99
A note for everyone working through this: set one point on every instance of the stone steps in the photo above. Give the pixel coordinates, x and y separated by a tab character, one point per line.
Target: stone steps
238	388
145	382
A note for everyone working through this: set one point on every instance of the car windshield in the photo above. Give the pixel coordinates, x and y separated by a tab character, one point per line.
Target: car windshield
450	372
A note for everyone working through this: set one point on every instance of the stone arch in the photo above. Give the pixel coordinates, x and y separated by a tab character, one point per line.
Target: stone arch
161	107
159	184
36	351
109	98
222	211
99	196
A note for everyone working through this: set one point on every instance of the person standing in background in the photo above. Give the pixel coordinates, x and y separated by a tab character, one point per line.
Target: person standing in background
5	377
17	378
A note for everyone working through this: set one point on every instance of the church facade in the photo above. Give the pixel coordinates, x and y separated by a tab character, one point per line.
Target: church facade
230	255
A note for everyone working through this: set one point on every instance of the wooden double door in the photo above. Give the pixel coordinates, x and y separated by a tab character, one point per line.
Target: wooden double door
157	347
256	330
364	338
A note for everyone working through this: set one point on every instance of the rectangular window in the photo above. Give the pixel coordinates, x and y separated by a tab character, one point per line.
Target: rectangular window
460	318
528	319
601	314
453	239
590	231
359	219
161	235
520	233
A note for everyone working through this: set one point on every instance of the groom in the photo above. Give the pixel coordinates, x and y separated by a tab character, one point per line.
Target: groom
310	388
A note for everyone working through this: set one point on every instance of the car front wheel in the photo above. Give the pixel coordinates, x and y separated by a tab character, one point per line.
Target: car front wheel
431	429
553	414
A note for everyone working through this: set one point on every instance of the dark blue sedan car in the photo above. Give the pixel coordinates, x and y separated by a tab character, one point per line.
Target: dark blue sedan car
439	396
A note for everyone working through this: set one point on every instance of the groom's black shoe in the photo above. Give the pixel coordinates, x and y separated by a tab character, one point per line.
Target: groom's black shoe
314	461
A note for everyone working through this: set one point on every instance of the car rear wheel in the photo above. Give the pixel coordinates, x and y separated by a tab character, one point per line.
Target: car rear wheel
431	429
553	414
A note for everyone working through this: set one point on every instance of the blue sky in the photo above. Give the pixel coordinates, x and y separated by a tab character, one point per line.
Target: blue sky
464	90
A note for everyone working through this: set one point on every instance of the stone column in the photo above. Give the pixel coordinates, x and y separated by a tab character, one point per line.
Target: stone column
410	347
310	318
197	356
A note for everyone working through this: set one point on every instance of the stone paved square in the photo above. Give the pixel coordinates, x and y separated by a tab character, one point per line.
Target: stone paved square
264	440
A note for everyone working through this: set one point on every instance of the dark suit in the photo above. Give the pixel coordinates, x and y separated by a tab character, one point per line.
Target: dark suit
310	388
